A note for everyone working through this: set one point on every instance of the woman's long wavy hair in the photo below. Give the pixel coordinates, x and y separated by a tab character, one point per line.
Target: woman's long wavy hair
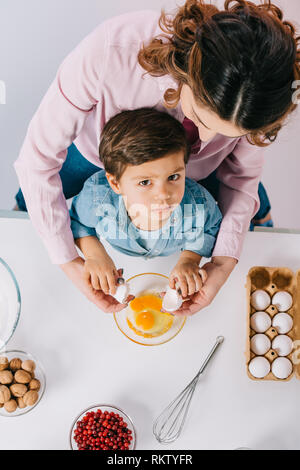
240	62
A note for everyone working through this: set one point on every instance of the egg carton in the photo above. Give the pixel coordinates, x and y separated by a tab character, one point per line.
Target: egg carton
273	280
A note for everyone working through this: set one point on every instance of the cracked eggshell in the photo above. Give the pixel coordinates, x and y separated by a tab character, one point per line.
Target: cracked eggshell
260	322
260	300
122	293
259	367
172	301
282	322
282	300
282	368
260	344
283	345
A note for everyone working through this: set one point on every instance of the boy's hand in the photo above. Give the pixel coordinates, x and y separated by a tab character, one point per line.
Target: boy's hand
101	273
218	271
187	275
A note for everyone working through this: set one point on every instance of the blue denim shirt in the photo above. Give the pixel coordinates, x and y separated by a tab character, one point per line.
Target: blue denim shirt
193	225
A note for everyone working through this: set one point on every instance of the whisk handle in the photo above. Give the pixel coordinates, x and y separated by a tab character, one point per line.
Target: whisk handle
219	340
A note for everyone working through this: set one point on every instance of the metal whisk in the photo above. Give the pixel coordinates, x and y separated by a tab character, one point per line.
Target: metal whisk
169	424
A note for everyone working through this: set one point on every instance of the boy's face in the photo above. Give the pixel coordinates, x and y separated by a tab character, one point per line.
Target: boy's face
152	190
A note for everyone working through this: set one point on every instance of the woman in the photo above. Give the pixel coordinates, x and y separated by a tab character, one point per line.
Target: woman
227	75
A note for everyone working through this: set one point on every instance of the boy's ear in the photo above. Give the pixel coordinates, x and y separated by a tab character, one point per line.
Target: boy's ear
113	183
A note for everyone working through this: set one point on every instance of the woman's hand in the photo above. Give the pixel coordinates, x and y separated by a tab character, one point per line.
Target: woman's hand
74	270
218	271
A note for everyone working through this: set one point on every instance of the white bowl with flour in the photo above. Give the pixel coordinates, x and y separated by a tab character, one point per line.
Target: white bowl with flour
10	303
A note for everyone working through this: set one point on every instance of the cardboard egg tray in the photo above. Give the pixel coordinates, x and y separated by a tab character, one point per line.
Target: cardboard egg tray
273	280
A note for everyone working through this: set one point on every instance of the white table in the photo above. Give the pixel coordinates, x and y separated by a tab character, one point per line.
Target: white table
88	361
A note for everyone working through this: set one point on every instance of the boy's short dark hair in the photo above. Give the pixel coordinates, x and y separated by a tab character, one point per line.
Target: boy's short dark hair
140	136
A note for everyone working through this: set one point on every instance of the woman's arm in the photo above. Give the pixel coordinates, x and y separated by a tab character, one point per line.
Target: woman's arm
57	122
239	175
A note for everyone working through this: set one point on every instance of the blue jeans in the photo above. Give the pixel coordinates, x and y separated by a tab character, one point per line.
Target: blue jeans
76	170
212	185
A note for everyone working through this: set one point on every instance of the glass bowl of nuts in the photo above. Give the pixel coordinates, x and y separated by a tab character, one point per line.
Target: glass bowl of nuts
102	427
22	382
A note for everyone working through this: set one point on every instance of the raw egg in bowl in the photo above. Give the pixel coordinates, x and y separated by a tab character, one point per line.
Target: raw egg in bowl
142	321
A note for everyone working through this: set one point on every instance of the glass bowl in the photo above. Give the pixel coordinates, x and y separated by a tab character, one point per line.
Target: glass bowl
137	284
10	303
108	408
39	374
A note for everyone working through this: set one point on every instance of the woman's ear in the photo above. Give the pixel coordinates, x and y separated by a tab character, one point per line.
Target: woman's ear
113	183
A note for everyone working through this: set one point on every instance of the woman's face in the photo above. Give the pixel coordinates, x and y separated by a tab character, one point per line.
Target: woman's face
209	124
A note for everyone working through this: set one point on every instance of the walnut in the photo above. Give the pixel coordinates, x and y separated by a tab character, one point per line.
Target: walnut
30	398
6	377
21	403
22	377
18	390
28	365
10	406
15	364
3	363
4	394
34	384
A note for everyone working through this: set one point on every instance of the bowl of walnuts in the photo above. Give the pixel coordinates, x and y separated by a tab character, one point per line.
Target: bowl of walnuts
22	383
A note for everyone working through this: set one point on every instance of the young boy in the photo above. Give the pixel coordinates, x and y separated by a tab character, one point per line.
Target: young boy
142	204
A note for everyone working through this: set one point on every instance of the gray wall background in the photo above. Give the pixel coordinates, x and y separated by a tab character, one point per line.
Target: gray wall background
36	35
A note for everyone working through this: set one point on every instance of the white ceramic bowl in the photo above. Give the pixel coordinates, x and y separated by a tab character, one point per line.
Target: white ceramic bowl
10	303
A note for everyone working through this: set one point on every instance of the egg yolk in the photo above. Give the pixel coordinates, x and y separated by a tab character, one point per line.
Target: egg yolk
145	320
146	301
148	320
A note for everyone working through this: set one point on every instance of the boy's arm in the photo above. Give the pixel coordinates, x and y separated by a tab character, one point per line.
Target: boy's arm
99	269
186	275
91	247
82	212
193	257
203	234
199	241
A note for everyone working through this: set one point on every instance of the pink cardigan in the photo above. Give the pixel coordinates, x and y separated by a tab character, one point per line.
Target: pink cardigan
100	78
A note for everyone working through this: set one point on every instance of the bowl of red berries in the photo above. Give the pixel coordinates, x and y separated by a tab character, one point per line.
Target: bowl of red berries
102	427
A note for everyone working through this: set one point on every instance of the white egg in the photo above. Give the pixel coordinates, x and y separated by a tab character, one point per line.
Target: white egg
282	300
283	345
122	293
259	367
260	322
260	344
282	322
260	300
282	368
172	301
